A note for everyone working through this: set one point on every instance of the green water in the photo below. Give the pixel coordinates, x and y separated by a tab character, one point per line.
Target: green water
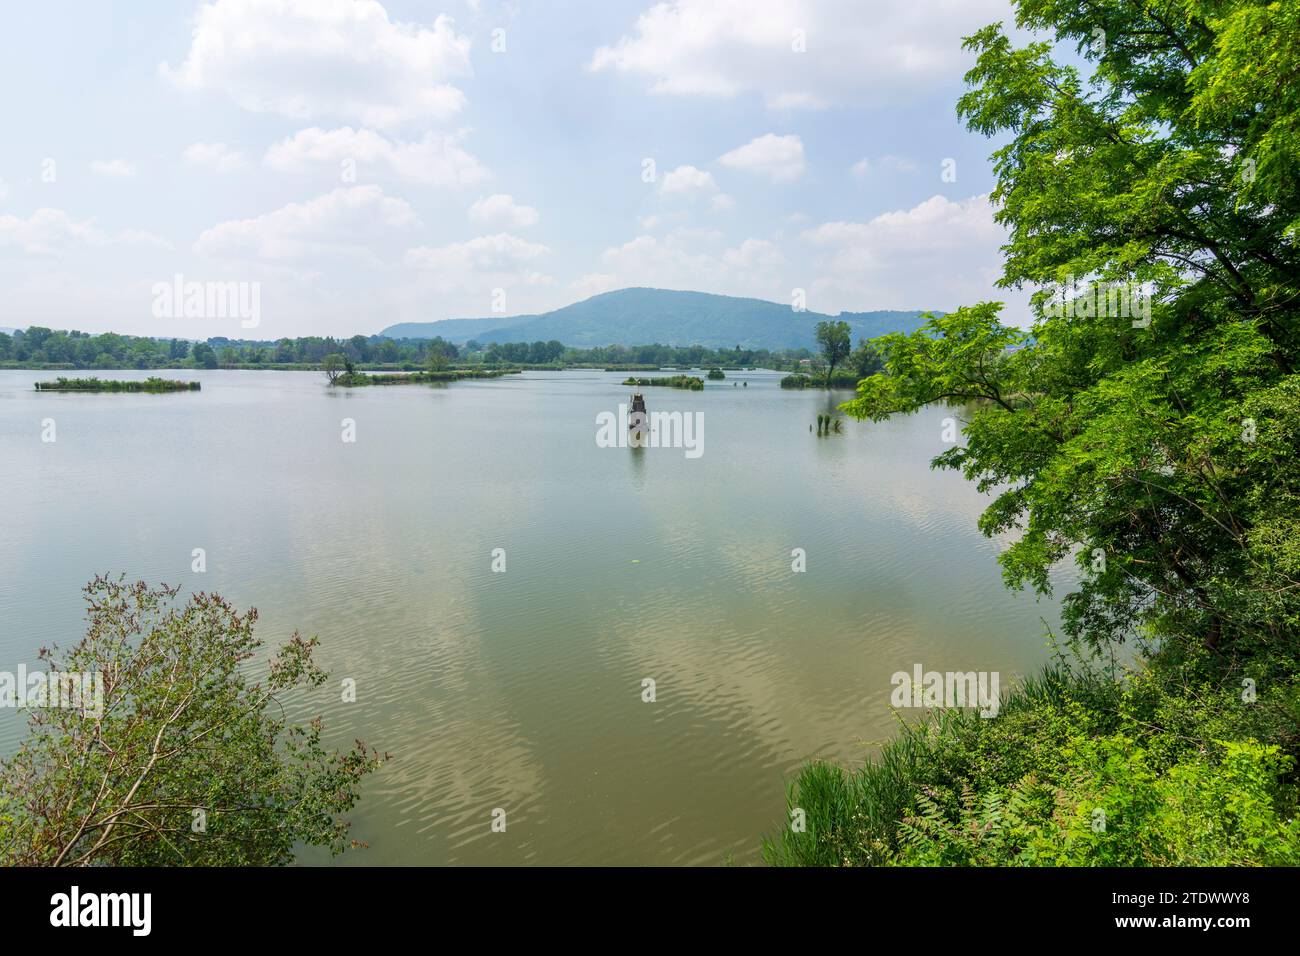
522	690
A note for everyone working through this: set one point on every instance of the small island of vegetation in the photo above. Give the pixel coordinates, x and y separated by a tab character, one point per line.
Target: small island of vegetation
151	384
672	381
339	370
358	379
841	379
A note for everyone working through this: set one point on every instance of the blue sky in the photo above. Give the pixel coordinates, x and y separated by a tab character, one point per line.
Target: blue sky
368	163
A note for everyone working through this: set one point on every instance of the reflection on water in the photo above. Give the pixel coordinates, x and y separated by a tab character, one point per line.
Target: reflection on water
522	690
636	458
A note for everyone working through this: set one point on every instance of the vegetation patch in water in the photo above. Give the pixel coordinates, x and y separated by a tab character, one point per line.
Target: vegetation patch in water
672	381
150	384
358	379
840	378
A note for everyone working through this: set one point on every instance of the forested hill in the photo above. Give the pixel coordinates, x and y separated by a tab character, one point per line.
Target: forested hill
638	316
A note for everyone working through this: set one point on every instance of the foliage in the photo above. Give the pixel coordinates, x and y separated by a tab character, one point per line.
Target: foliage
1182	779
835	340
202	356
865	361
843	378
151	384
827	424
440	355
180	735
524	353
1212	809
1162	458
672	381
1152	441
42	347
358	379
333	366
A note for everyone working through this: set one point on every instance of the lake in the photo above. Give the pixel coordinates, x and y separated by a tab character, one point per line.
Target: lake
523	689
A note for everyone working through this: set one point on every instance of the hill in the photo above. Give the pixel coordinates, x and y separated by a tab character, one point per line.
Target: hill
645	316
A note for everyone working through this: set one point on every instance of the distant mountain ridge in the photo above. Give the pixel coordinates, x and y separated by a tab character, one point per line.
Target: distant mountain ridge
642	316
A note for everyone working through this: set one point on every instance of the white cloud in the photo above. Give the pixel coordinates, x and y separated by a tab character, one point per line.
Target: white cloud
657	219
722	203
51	232
216	156
47	232
501	211
484	253
112	168
701	233
345	222
593	283
647	257
895	164
435	160
674	262
754	254
852	54
939	254
779	158
937	223
687	181
141	237
483	262
325	58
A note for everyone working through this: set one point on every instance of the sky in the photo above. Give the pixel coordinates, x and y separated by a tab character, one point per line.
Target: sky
364	163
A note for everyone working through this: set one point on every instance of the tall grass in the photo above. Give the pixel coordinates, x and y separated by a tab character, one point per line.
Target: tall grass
853	817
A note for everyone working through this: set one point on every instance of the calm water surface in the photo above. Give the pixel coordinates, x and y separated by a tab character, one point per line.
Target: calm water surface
523	690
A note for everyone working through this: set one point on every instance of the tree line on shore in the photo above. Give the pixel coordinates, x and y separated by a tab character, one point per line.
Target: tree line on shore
38	347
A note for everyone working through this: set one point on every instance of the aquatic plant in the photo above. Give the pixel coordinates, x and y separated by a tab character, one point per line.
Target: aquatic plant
151	384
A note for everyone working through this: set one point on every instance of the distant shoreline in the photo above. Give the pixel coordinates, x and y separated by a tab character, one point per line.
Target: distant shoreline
368	367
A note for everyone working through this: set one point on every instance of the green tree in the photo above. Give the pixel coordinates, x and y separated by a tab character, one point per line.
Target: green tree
437	360
865	360
835	341
440	353
1155	445
334	365
203	355
359	348
184	761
